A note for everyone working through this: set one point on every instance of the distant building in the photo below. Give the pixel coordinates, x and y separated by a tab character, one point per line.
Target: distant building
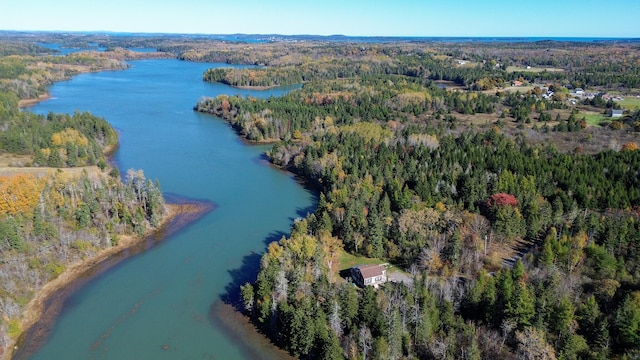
369	275
615	113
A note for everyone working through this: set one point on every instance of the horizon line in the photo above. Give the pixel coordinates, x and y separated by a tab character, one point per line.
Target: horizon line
96	32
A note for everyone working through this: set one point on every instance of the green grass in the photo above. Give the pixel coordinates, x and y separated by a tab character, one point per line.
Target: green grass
346	260
630	103
594	119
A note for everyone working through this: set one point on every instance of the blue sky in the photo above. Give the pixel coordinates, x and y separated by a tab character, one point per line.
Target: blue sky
539	18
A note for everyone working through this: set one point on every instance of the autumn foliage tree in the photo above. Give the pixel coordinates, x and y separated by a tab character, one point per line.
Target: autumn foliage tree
505	215
19	194
502	199
630	146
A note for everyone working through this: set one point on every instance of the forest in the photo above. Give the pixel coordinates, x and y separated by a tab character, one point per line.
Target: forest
55	140
510	203
515	218
60	200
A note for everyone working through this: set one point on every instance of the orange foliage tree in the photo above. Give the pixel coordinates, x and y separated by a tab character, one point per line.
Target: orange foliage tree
630	146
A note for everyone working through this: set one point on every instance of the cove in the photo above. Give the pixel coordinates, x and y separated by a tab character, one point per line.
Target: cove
159	304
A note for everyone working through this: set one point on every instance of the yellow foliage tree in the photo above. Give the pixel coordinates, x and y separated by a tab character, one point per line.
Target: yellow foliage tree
331	246
369	131
302	246
69	136
274	250
19	194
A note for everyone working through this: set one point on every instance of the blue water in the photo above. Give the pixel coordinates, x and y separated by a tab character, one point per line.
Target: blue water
61	50
157	304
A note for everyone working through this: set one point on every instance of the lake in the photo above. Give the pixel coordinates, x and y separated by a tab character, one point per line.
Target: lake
158	304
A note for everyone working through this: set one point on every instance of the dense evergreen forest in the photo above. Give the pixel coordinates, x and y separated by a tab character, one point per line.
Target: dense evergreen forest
517	246
54	214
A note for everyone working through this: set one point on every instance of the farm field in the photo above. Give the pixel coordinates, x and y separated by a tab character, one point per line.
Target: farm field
533	69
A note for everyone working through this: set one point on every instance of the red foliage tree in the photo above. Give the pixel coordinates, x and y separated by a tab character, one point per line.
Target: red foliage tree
502	199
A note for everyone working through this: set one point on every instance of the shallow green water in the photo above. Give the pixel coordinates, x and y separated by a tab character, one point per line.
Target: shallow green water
163	297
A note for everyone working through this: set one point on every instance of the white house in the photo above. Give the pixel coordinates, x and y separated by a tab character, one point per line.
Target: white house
369	275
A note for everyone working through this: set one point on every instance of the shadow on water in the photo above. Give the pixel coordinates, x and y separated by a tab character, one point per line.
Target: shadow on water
303	212
246	273
36	335
228	311
263	159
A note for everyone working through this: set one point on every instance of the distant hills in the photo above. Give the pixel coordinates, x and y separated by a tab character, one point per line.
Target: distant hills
253	38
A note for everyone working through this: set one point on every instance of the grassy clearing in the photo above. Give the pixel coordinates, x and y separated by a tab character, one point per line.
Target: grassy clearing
532	69
7	160
630	103
522	89
11	164
595	119
347	261
93	171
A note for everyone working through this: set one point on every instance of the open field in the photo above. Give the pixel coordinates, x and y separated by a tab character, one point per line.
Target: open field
93	171
630	103
11	164
595	119
7	160
510	89
467	64
533	69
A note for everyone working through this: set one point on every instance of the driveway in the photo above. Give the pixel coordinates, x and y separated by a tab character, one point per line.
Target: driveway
397	276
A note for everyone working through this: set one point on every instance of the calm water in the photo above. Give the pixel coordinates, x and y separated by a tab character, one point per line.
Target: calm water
164	296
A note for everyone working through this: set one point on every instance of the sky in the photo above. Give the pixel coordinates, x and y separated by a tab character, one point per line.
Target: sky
448	18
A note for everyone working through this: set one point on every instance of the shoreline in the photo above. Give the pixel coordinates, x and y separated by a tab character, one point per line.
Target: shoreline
256	87
38	317
25	103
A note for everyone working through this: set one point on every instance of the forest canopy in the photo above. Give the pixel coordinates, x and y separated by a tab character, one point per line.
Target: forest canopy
518	243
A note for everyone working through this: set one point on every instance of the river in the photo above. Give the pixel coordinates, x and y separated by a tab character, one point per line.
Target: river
158	304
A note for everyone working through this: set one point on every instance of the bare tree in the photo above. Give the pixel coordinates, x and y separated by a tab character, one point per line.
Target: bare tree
334	319
533	346
364	339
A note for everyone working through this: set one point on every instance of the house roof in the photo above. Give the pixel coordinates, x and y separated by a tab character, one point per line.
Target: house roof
616	111
369	271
